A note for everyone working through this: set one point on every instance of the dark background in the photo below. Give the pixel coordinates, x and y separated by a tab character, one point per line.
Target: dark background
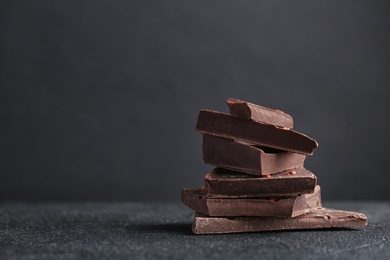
99	99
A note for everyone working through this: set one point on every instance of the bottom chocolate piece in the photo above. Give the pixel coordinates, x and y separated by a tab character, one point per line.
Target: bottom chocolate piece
318	219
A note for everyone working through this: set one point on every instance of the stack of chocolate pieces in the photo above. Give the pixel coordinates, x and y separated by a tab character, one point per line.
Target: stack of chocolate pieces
259	183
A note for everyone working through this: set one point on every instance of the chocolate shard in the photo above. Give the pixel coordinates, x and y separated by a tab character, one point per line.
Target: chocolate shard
258	113
197	200
244	157
228	126
222	183
318	219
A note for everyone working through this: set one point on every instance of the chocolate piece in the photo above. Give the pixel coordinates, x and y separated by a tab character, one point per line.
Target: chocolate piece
291	206
258	113
318	219
221	183
228	126
236	155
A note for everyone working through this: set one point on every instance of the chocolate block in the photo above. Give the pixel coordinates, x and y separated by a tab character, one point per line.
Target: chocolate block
318	219
240	156
258	113
221	183
278	207
228	126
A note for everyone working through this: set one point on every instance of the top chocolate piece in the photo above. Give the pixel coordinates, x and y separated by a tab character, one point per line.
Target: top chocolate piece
258	113
228	126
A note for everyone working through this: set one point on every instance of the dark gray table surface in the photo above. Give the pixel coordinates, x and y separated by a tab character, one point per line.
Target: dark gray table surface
163	231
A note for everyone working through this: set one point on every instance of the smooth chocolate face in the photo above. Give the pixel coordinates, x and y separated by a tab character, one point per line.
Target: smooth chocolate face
232	127
221	183
252	159
258	113
317	219
197	200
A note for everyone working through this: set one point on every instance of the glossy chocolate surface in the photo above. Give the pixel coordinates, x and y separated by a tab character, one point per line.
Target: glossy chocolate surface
232	127
244	157
258	113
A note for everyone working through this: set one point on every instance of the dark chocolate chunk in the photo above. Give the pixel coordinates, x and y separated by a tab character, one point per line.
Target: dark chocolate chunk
221	183
197	200
240	156
318	219
228	126
258	113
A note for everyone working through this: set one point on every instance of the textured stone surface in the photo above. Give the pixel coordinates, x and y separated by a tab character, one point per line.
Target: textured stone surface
131	230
